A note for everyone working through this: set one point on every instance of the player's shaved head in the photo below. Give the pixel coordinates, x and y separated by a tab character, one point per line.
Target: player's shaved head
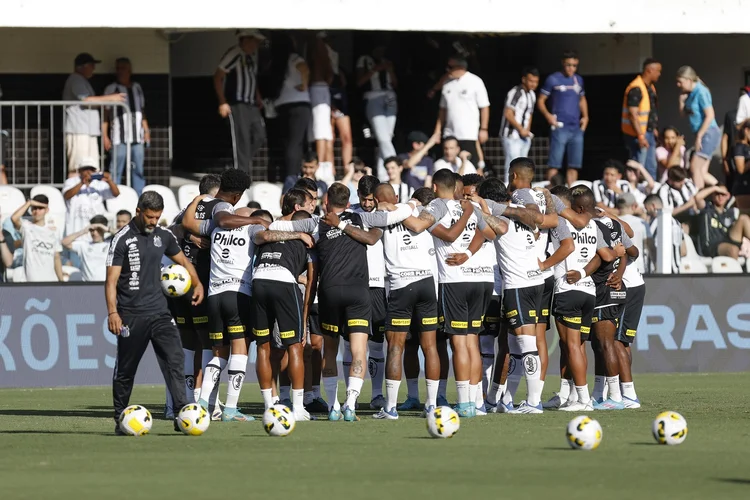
583	200
385	193
444	183
244	212
263	214
521	173
563	192
301	215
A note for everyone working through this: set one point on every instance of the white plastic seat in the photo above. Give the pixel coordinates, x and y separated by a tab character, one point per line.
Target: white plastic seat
55	196
171	209
187	193
725	265
581	182
11	199
127	200
692	266
265	193
72	273
15	275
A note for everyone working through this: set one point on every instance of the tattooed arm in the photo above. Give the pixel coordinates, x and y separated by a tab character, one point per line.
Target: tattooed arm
366	237
498	225
526	216
263	237
421	223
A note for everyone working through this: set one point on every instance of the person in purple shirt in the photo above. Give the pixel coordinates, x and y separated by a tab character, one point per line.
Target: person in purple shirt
568	117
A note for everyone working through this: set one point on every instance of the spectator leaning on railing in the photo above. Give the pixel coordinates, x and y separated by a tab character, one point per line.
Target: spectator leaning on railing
41	248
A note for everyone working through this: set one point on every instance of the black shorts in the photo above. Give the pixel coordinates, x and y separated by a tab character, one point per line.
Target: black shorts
522	305
609	304
413	308
574	309
277	302
200	315
493	316
713	249
181	310
379	305
461	307
631	315
549	288
229	315
344	310
313	320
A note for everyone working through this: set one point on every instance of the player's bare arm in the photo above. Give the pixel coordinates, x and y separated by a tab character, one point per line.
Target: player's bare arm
526	216
451	234
499	226
421	223
566	248
267	236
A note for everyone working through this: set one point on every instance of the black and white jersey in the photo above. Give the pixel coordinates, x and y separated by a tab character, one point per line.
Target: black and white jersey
375	261
282	261
409	256
232	252
673	198
612	234
124	127
587	241
140	255
518	256
242	75
189	248
522	102
379	83
677	236
602	194
205	212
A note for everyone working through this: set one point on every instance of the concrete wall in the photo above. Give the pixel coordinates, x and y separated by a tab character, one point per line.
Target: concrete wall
599	54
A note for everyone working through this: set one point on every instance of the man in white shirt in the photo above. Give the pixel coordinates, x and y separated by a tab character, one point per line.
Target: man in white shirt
91	252
515	129
41	248
743	108
85	194
464	109
454	159
627	205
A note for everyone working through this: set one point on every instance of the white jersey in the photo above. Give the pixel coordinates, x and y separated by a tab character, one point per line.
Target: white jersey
641	232
232	252
587	241
517	254
528	196
485	259
409	256
375	260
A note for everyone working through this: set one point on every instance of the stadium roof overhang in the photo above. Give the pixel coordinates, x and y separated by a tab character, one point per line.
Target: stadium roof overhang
488	16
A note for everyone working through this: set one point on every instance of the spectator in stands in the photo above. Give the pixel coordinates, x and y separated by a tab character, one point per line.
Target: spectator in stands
352	174
309	167
728	139
317	200
339	105
393	168
721	229
696	103
7	248
236	87
91	251
743	107
628	207
41	248
641	182
464	110
3	175
418	166
376	77
640	118
122	219
678	193
671	153
653	205
455	159
82	126
117	130
85	195
611	186
515	129
289	89
568	118
321	77
741	157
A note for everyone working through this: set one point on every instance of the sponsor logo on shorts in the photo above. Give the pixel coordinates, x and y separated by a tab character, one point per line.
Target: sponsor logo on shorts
585	329
492	319
532	313
215	336
358	322
381	329
441	319
545	312
287	335
459	324
594	319
198	320
429	321
236	329
330	328
614	295
180	320
400	322
569	319
261	333
511	314
630	333
476	324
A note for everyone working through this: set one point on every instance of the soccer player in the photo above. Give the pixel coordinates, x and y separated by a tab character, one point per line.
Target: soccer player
343	288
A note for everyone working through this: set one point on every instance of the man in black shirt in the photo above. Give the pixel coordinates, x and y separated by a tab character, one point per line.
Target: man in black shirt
135	302
721	229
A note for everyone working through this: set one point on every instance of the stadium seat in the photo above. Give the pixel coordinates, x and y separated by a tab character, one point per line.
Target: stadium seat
588	184
187	193
56	200
725	265
170	202
15	275
689	266
541	184
11	199
72	273
265	193
127	200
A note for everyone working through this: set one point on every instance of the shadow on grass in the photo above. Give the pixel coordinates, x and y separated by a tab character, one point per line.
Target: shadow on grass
558	448
644	443
97	413
732	480
70	433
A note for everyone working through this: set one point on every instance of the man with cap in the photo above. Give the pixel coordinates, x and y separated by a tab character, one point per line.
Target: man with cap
82	126
418	166
236	86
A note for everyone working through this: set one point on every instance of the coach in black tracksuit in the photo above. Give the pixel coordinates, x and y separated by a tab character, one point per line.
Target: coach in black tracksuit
135	299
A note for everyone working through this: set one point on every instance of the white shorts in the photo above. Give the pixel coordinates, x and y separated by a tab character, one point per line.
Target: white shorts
320	99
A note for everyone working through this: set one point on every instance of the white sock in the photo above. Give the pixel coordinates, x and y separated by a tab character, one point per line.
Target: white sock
353	390
532	369
211	376
495	392
376	367
236	371
268	399
298	405
443	388
316	391
196	394
479	397
582	393
564	390
487	348
285	392
347	361
308	397
462	387
391	393
613	384
515	371
432	392
188	368
628	390
331	386
572	394
473	392
412	388
598	394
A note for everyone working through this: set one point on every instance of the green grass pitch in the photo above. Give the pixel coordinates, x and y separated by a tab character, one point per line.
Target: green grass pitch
58	443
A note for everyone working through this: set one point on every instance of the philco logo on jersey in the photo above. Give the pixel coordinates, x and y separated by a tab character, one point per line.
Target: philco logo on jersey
229	239
584	238
521	227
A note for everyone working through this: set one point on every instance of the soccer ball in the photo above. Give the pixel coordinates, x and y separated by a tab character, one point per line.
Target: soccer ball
442	422
135	420
670	428
193	419
584	433
175	280
278	420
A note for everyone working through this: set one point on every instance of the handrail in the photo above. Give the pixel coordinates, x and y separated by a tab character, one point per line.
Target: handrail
11	169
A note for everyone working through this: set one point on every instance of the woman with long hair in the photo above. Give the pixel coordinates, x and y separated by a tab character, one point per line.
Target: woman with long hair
741	187
697	105
671	152
290	77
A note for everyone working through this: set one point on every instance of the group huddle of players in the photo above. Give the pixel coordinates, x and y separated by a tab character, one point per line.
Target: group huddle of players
469	261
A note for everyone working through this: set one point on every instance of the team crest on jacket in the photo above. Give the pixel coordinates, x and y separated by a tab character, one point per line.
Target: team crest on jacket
157	241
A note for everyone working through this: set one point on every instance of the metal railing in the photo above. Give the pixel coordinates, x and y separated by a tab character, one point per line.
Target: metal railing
40	128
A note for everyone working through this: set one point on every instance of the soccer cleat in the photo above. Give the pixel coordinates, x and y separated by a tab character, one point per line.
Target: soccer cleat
318	405
490	408
410	404
335	415
216	414
554	402
203	403
377	402
577	406
427	410
631	404
384	414
442	401
526	409
480	411
349	415
465	410
169	415
234	415
118	431
609	405
303	415
287	403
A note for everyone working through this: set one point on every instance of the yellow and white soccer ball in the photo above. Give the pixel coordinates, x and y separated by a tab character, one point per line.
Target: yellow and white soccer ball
279	420
135	420
193	419
175	280
670	428
442	422
584	433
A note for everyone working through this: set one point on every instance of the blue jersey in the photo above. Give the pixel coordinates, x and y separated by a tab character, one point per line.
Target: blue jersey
564	94
696	104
